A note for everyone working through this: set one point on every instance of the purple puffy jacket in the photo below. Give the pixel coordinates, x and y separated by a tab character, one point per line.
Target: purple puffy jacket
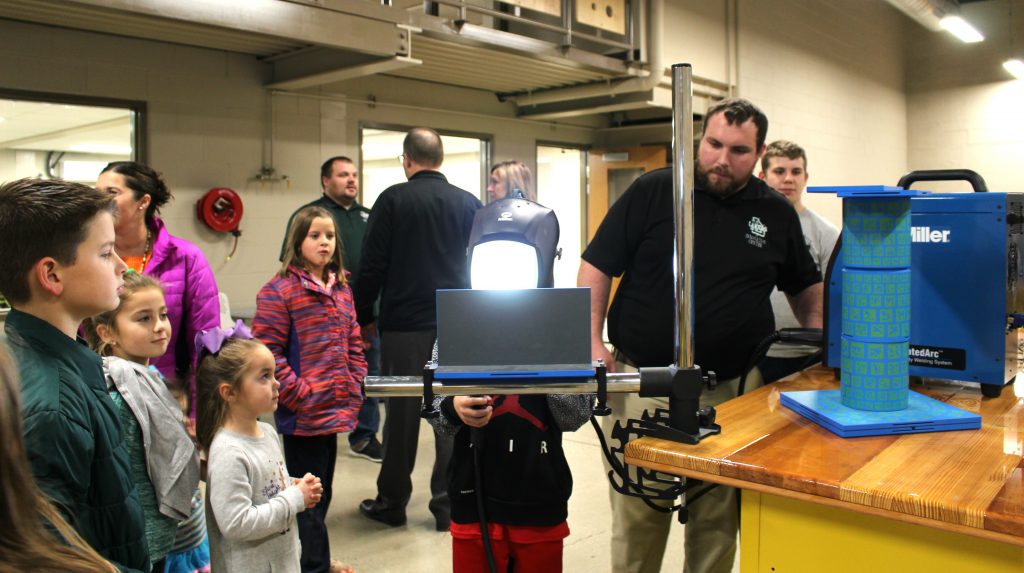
192	304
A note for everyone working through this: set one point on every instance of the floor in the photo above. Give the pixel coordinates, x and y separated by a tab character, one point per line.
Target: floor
374	548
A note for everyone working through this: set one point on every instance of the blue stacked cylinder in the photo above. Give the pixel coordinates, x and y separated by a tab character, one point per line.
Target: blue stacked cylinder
876	303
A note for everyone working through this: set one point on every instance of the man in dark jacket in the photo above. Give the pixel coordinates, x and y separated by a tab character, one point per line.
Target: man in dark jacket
415	244
57	244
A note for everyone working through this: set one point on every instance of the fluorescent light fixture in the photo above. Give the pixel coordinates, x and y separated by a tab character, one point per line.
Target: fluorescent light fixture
498	265
961	29
1015	67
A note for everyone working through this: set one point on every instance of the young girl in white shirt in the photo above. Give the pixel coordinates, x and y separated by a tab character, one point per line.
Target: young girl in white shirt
252	502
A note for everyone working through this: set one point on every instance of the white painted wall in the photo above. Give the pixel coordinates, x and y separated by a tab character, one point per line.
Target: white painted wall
208	118
964	109
866	91
829	76
695	32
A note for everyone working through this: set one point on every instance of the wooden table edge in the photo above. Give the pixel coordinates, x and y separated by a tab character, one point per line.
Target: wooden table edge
800	496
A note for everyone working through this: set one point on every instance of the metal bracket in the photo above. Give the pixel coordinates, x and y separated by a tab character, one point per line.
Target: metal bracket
427	409
601	375
684	422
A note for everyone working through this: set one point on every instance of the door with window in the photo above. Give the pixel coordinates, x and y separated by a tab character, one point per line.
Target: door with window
611	172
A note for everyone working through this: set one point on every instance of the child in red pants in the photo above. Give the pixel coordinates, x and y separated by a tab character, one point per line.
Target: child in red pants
524	476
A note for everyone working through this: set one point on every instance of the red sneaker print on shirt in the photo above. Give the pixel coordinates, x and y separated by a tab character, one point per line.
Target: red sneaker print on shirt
510	405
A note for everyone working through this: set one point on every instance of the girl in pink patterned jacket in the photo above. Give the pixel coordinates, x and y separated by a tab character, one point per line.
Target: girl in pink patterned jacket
306	317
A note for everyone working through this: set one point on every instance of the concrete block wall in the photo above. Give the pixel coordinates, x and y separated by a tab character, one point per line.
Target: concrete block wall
206	124
830	76
865	90
209	125
964	110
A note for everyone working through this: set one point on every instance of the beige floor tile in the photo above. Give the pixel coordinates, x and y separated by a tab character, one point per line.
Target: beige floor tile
374	548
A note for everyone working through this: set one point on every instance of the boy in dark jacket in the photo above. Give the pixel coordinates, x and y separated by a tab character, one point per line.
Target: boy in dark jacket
59	267
525	478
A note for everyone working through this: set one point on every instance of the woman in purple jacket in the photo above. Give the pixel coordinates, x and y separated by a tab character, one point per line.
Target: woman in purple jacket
146	247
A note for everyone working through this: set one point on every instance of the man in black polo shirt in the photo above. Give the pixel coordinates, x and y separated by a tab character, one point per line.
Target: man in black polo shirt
747	240
415	244
339	178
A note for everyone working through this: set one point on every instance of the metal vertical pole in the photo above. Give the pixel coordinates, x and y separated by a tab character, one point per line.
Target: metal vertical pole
682	202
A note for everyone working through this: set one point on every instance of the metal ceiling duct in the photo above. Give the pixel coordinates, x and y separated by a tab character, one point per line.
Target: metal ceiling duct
928	12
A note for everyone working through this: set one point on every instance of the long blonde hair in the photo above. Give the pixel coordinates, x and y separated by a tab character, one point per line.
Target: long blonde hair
133	283
516	175
25	542
225	367
297	233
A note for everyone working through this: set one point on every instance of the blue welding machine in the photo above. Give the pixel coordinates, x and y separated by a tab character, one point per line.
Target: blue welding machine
967	284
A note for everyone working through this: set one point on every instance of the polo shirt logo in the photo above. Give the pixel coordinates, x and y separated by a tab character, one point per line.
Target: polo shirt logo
758	230
757	227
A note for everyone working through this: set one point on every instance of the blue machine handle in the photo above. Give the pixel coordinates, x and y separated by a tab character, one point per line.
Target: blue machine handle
972	177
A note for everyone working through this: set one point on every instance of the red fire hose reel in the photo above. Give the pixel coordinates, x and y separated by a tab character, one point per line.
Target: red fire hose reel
221	210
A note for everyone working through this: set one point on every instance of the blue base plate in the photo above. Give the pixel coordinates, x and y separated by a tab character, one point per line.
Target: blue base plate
923	414
514	375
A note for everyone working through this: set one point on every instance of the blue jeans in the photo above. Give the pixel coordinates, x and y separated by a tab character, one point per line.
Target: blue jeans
369	414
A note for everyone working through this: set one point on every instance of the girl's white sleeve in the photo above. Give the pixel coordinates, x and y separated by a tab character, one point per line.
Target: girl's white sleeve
231	497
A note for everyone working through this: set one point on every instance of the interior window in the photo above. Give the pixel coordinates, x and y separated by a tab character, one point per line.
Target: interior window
465	162
71	138
64	139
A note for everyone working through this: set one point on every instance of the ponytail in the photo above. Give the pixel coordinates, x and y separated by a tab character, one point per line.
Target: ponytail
224	367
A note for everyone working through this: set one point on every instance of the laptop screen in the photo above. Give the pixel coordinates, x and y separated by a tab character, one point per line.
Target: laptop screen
514	333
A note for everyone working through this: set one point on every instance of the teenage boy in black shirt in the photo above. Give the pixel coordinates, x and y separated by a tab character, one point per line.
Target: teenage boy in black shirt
747	240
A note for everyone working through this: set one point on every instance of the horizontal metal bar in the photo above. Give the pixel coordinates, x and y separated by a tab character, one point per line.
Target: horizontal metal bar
533	23
411	386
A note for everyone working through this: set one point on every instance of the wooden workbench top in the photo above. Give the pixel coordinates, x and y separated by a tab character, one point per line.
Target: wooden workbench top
969	481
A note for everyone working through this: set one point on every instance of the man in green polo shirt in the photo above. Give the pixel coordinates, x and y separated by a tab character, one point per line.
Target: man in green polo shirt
339	178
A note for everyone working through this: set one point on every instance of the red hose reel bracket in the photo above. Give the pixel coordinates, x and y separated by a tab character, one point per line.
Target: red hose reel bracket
221	210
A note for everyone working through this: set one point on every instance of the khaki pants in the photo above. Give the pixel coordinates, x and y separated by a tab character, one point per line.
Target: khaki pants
639	533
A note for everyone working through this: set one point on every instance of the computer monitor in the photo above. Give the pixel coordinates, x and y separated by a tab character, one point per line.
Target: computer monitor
513	334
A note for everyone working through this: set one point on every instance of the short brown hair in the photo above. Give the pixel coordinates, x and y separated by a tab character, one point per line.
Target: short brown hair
738	111
782	148
43	218
297	233
423	146
327	169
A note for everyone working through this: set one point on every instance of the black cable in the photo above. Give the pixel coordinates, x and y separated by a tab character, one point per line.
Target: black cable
760	351
808	336
626	484
476	438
